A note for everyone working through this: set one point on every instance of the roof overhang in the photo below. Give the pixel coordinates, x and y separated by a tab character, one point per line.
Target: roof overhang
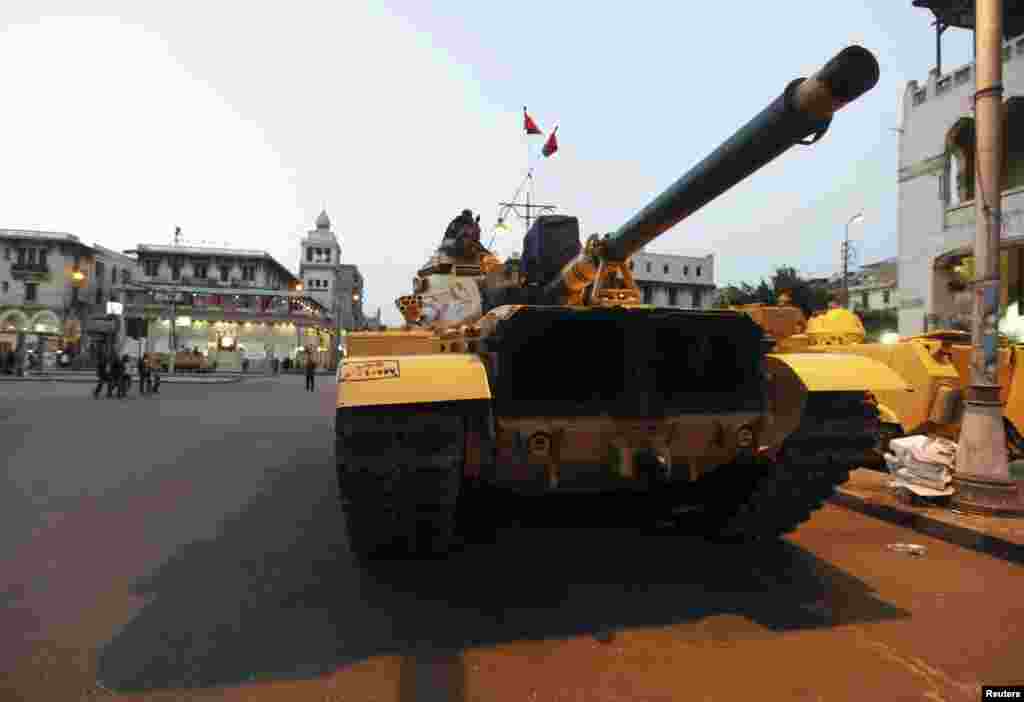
960	14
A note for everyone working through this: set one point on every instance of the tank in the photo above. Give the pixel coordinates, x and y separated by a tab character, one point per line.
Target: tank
548	375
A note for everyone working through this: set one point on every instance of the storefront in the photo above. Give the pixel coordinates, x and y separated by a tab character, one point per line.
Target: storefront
231	326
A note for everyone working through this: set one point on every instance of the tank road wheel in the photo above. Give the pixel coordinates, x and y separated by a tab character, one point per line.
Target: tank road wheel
399	471
766	499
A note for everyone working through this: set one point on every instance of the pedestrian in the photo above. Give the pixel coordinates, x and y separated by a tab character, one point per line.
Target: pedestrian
102	377
310	367
154	378
142	375
114	376
126	375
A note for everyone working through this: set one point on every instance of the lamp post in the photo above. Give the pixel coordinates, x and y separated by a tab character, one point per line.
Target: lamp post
859	217
982	477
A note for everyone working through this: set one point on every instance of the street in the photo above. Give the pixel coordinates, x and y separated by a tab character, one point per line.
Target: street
190	546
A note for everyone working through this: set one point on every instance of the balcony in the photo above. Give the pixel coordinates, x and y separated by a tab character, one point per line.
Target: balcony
29	271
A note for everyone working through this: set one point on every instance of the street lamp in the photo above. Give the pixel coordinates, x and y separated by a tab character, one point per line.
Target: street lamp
859	217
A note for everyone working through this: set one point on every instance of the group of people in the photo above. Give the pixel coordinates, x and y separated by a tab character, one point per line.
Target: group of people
115	374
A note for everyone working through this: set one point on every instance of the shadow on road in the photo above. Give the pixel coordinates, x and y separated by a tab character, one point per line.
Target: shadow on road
276	593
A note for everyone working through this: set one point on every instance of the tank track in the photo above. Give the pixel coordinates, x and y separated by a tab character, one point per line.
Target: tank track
777	496
399	472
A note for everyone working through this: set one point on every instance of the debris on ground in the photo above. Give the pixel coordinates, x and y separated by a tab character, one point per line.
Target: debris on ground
912	549
922	465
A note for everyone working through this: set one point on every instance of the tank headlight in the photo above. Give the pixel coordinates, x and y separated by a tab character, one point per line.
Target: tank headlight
745	437
539	445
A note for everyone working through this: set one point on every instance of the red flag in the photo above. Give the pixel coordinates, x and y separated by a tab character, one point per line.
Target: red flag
529	125
551	145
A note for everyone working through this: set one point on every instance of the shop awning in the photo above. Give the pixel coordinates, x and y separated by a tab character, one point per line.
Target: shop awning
953	256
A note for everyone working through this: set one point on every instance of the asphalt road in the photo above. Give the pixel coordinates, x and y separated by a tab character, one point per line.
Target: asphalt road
190	547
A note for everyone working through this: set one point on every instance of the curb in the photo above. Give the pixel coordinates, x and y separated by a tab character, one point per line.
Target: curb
93	380
932	525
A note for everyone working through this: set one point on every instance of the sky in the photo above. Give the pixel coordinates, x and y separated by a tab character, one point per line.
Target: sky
239	122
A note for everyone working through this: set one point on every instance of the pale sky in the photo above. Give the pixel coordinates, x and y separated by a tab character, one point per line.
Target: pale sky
240	121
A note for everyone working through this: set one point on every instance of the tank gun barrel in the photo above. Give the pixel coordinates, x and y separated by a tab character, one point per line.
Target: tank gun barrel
800	115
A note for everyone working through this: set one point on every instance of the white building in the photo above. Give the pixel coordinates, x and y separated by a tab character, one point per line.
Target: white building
875	286
936	195
671	280
336	286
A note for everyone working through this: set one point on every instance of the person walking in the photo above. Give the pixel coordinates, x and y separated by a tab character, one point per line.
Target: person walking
102	377
114	377
310	368
126	376
141	366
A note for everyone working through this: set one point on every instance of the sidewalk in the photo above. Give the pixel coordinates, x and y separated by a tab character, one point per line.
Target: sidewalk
62	376
868	492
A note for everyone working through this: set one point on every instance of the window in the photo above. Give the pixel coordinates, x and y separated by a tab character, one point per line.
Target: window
224	273
31	292
151	268
309	255
665	269
647	293
200	270
31	257
696	299
248	272
113	275
327	255
7	253
175	271
21	257
673	297
648	267
885	297
686	271
6	287
126	275
698	271
42	257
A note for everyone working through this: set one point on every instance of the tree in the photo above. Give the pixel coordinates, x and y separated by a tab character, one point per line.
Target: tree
810	299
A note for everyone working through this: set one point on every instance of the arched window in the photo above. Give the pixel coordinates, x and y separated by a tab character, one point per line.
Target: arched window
960	150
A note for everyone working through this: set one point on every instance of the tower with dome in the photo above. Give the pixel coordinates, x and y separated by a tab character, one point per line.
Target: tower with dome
335	285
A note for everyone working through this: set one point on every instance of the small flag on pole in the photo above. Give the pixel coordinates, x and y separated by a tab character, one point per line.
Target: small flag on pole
551	145
529	125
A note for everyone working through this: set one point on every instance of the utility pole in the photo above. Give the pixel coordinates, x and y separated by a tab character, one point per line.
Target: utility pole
174	308
847	256
982	478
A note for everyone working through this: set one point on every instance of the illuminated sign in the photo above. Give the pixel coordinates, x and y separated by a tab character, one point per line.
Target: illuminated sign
115	308
369	370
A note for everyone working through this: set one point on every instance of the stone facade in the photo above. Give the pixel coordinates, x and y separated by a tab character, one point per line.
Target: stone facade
335	285
671	280
53	289
936	193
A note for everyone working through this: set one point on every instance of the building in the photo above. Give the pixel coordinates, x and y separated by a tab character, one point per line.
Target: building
671	280
335	285
228	304
53	294
875	286
936	188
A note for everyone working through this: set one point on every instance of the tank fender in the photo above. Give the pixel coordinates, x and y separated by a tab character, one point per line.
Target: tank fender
368	381
887	416
840	372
